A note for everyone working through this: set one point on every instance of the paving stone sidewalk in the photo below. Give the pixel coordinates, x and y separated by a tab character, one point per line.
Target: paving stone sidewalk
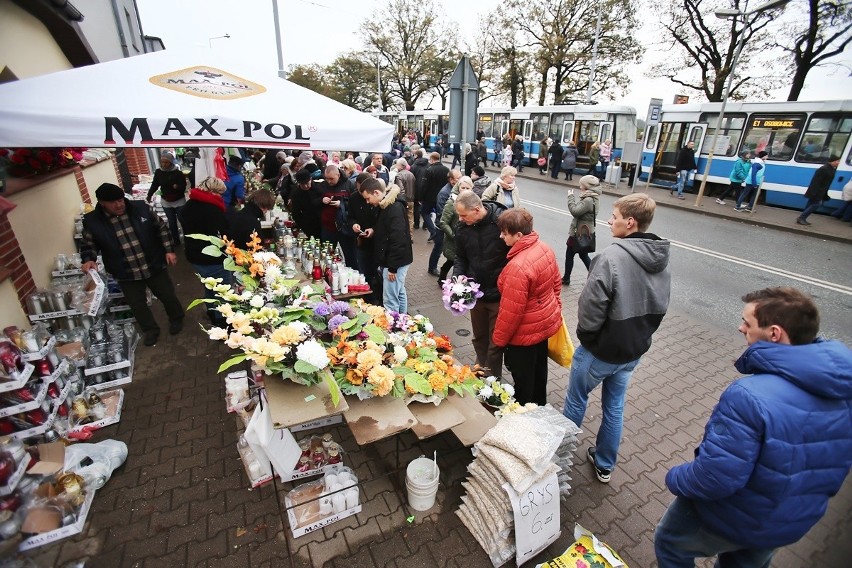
182	499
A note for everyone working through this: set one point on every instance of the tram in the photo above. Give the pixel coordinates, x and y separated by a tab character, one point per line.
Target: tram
582	124
799	136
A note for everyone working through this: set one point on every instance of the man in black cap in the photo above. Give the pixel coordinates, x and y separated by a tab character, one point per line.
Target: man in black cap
817	192
306	204
136	247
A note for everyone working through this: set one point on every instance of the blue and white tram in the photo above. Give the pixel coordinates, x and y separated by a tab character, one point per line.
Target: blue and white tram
799	136
582	124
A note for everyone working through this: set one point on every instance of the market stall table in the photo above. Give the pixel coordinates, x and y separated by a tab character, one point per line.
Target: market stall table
291	404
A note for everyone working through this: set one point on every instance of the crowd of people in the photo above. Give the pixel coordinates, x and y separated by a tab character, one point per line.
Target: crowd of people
779	443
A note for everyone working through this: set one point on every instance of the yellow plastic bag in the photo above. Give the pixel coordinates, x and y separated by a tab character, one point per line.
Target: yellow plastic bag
560	348
586	551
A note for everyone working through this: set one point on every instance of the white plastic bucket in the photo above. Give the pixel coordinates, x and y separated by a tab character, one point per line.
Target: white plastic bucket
421	480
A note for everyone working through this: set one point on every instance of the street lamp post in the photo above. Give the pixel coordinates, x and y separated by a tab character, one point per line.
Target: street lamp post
727	13
210	40
594	58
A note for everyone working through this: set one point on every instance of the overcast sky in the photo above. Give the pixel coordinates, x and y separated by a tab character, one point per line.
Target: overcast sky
316	31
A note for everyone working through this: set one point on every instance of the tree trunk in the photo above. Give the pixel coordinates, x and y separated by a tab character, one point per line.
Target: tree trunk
798	83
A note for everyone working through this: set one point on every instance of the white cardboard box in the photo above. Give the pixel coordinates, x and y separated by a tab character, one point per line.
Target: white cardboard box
16	477
24	406
319	423
114	400
22	380
41	353
62	532
331	519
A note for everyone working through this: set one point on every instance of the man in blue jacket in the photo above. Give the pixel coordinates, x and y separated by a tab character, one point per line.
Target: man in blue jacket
777	446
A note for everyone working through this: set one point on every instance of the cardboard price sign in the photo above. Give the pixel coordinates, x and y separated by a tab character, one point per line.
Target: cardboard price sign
536	513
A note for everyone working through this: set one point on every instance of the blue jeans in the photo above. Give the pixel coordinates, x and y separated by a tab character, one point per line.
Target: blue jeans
746	194
394	296
682	178
172	214
587	372
426	210
844	212
680	538
813	205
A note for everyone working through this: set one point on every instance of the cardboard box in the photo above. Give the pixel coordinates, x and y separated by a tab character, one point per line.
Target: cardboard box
16	477
41	353
51	459
22	380
46	537
60	368
114	400
309	508
35	430
247	456
24	406
319	423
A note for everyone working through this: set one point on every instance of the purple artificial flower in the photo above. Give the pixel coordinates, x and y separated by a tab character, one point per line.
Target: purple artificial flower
336	321
322	310
339	307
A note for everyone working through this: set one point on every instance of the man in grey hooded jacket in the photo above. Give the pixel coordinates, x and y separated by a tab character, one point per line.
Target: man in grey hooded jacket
621	306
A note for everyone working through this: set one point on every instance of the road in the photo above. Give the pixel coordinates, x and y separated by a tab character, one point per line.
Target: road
715	260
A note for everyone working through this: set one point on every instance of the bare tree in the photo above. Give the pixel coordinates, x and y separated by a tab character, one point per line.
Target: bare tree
353	80
701	48
559	36
826	33
409	41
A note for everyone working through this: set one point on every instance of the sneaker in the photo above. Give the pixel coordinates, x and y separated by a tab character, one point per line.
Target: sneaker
801	221
433	272
720	201
151	338
175	327
681	197
746	209
566	282
738	208
603	475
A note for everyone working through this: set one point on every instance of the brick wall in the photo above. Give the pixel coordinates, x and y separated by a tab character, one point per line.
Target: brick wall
81	184
137	162
11	257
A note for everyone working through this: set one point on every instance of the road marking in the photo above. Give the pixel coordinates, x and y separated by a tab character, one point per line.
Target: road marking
840	288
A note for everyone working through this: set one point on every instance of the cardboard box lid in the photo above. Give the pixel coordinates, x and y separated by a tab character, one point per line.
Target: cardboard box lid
42	519
51	459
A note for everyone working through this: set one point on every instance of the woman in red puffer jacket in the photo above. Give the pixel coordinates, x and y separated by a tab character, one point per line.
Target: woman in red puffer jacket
530	307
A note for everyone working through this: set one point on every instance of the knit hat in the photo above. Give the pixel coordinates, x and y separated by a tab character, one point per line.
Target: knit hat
762	154
168	156
588	182
109	192
303	176
236	162
478	170
304	158
745	153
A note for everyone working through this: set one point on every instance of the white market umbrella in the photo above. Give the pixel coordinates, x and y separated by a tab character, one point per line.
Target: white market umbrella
203	97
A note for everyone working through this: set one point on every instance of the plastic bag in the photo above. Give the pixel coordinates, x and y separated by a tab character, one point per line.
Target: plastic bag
560	348
587	550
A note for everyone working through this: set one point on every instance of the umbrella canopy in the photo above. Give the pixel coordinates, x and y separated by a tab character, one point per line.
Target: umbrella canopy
195	98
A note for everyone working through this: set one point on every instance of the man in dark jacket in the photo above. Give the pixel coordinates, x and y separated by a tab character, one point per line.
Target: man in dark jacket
136	247
418	168
817	192
391	241
777	446
518	153
362	218
556	151
481	255
622	304
305	204
235	186
685	163
434	178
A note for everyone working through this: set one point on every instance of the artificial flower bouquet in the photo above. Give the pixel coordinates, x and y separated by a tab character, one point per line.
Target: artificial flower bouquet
501	396
307	337
460	294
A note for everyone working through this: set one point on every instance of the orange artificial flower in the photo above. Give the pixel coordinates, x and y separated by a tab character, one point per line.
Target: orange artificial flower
254	242
354	376
256	269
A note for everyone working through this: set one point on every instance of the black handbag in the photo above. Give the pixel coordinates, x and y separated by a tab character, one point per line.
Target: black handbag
585	240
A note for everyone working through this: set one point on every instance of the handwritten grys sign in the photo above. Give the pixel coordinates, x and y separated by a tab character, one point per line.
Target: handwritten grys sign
536	512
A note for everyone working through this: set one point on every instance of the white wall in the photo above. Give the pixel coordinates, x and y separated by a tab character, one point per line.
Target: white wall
26	47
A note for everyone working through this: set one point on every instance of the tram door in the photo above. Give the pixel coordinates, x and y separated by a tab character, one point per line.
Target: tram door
696	134
504	128
567	132
606	131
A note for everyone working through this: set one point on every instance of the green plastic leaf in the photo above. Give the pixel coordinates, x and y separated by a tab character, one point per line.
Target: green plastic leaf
398	390
210	239
231	266
375	334
304	368
250	284
333	389
200	301
418	383
212	250
231	362
349	324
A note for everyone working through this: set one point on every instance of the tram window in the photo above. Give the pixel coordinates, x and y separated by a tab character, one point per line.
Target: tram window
777	134
732	127
485	122
540	124
557	120
824	136
652	137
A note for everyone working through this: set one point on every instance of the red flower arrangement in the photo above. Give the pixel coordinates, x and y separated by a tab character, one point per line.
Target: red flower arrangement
25	162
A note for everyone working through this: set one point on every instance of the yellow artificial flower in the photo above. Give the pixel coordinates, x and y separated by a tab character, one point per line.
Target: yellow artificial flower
382	379
286	335
368	359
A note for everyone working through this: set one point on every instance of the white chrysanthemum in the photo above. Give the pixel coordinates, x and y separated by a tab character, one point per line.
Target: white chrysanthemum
490	379
486	392
400	354
246	295
217	333
257	301
510	390
458	289
302	327
429	327
267	257
313	353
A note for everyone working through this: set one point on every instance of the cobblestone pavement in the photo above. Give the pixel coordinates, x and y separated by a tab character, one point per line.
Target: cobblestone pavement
182	499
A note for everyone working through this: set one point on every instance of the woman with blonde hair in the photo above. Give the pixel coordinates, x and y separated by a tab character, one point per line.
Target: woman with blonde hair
584	212
204	214
503	189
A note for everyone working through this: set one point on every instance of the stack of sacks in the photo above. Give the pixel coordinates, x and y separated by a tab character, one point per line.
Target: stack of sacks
521	449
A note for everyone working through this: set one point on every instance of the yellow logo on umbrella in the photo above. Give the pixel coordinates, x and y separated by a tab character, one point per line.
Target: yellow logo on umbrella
208	83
